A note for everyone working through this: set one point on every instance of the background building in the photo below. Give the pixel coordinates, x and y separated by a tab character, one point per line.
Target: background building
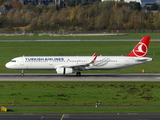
142	2
46	2
58	3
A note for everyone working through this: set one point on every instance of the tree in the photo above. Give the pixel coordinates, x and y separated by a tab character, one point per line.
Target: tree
2	21
55	21
64	17
17	18
148	21
103	20
103	6
84	2
16	4
71	3
80	15
29	16
93	11
10	15
1	2
156	20
155	6
9	19
135	6
134	21
41	8
43	21
119	16
30	6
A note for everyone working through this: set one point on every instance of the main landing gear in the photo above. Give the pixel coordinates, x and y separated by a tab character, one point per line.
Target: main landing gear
78	74
22	73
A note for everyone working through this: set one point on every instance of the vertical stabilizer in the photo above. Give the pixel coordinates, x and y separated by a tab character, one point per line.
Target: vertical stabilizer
141	48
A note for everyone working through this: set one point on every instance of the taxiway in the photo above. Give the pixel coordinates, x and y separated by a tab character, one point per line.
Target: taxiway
114	116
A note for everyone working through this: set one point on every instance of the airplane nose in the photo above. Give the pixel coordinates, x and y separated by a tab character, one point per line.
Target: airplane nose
7	65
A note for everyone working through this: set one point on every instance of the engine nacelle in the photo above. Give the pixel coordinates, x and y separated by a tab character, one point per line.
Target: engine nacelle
63	70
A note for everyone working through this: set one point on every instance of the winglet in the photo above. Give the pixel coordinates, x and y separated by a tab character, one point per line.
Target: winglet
94	54
141	48
94	59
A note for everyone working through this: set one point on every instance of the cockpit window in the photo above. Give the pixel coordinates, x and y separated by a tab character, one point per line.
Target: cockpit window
13	60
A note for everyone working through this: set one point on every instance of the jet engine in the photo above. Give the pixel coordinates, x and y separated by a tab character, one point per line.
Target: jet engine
63	70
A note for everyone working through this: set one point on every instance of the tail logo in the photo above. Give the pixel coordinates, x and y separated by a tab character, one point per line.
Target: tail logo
140	50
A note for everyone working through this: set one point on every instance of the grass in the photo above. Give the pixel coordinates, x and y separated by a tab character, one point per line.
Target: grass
9	50
128	36
86	110
81	94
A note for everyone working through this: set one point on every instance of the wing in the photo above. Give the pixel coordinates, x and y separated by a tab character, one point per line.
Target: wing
81	66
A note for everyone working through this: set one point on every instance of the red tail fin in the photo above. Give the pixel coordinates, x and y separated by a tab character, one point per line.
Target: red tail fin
141	48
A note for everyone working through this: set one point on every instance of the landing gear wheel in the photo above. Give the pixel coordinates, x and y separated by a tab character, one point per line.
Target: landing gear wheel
22	73
78	74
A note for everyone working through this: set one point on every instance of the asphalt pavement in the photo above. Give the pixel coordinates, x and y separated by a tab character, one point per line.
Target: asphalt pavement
87	116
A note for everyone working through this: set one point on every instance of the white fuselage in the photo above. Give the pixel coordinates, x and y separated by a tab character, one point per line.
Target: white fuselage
75	62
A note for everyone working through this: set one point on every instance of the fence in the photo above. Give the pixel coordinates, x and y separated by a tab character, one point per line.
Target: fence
64	32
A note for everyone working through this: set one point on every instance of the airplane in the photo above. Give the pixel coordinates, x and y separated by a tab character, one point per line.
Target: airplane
69	64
